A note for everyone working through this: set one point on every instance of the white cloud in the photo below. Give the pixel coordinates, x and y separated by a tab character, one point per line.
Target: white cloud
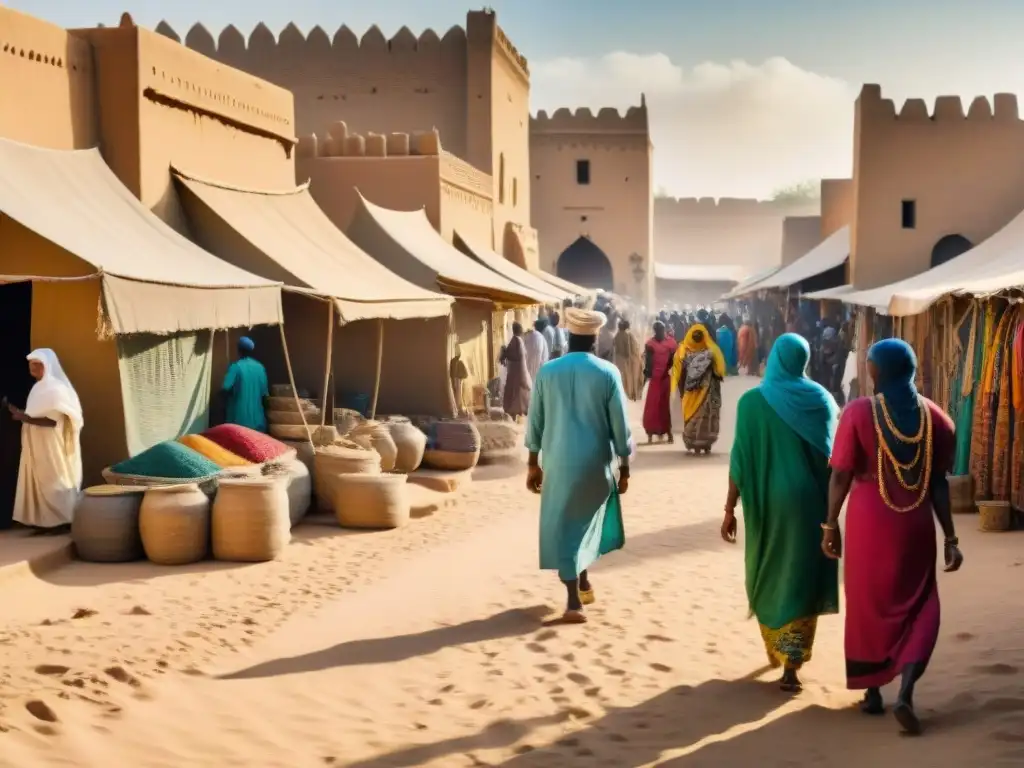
737	129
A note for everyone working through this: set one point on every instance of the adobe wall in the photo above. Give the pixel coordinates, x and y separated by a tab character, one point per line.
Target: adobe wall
471	86
46	84
799	235
959	163
615	209
741	231
836	205
193	113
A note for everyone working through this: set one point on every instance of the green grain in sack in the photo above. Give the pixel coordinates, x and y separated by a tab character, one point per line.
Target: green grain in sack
171	460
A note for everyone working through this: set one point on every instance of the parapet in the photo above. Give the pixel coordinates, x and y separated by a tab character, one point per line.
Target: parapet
340	142
730	206
607	120
947	109
261	43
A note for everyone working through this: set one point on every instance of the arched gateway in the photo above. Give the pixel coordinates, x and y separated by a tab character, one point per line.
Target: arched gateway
585	264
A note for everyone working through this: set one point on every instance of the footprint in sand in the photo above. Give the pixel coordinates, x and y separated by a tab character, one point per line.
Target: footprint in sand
121	675
51	670
40	710
84	613
549	668
547	634
536	648
964	637
661	667
618	738
1000	670
1004	706
579	679
658	639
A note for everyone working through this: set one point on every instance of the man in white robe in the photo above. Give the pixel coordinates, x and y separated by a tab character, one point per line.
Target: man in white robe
537	352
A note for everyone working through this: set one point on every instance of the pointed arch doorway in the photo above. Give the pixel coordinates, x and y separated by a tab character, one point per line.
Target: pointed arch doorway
585	264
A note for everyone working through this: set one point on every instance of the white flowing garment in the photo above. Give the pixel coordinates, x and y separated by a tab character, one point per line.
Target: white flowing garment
50	473
537	352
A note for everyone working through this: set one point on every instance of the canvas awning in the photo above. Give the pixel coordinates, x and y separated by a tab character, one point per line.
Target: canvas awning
838	293
700	273
407	244
750	283
562	284
832	252
291	230
154	280
994	265
506	268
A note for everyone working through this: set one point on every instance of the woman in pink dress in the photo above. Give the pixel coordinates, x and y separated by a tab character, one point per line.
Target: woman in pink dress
658	354
894	450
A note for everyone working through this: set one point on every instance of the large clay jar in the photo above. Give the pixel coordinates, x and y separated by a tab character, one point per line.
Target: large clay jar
250	521
333	460
175	524
376	436
105	527
410	443
371	501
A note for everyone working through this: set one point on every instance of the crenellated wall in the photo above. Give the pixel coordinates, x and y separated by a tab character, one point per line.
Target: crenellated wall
399	171
614	211
47	94
740	231
470	85
958	163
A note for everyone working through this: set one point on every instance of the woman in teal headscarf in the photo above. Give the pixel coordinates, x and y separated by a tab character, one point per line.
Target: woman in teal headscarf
779	471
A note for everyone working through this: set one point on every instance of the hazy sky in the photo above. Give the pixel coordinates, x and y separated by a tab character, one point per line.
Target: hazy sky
745	95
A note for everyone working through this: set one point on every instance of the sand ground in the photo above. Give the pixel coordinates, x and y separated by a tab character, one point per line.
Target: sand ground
425	647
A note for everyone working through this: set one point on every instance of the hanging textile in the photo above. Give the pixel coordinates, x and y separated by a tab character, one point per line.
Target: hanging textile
968	354
983	424
165	386
1002	430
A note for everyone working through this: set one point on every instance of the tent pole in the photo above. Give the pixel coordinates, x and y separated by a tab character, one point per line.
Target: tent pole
327	364
380	360
291	380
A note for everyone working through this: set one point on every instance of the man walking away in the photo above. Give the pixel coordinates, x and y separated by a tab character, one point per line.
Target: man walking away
577	423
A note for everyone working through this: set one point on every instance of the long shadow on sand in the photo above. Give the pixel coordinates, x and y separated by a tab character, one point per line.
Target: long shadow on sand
383	650
692	537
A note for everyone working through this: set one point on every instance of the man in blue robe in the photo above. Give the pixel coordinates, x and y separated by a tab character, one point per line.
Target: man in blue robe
246	387
577	424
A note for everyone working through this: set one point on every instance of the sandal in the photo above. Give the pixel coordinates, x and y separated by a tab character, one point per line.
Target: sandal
574	617
587	596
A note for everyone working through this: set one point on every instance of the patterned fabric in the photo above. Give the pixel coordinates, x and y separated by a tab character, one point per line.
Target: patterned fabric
701	430
791	645
1003	415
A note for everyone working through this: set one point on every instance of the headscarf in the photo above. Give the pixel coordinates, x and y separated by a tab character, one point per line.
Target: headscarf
806	406
53	394
246	345
690	346
896	369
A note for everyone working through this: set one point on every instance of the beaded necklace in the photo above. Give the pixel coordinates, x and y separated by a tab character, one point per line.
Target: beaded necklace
923	438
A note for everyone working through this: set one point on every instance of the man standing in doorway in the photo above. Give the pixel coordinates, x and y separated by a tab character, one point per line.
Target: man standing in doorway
577	423
245	388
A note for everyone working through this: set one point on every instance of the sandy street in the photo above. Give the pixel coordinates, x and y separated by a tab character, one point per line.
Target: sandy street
425	647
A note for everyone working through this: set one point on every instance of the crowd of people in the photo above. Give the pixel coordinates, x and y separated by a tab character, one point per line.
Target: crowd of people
797	459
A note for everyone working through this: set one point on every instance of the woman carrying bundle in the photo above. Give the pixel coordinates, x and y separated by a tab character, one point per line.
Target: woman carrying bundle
697	373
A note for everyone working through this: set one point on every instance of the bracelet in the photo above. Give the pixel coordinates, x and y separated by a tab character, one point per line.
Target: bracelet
828	527
952	541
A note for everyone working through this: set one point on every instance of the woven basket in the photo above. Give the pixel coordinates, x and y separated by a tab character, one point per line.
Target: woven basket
208	484
452	461
331	461
374	435
994	516
294	418
410	443
285	390
174	522
288	404
460	436
105	526
961	494
250	522
303	452
499	436
371	501
296	433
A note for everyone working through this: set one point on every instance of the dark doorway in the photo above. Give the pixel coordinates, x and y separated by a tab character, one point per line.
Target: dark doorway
585	264
15	382
948	248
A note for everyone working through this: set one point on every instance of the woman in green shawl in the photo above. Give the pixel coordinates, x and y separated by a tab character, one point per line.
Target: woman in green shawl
779	471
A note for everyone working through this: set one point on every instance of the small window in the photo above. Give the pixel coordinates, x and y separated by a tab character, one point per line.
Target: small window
908	214
501	178
582	171
515	192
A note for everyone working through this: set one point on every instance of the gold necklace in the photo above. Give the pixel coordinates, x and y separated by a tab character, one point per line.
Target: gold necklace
892	427
924	483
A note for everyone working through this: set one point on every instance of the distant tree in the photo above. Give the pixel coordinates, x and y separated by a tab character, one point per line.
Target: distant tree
803	192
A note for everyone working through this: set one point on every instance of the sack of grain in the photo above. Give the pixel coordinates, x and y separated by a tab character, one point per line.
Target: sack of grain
222	457
330	461
371	501
499	436
247	443
163	464
250	521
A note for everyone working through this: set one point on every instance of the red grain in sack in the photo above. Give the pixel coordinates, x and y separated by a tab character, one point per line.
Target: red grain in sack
248	443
